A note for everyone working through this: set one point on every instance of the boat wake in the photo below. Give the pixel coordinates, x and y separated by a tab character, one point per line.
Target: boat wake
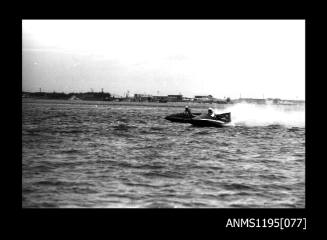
265	115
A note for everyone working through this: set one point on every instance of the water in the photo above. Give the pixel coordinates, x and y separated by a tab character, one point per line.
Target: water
91	155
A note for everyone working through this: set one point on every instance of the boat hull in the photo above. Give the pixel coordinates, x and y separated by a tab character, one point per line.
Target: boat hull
181	117
220	120
208	123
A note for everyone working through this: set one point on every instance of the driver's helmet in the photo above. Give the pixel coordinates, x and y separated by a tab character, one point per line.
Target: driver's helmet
210	110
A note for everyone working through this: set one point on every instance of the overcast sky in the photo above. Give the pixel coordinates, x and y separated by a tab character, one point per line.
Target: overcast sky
224	58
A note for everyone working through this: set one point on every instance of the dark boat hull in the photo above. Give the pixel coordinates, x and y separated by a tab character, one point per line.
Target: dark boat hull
220	120
181	117
208	123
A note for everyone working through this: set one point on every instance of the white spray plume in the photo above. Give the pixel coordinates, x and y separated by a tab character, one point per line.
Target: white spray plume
264	115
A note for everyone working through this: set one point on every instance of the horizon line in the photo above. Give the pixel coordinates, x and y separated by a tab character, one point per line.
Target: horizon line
124	95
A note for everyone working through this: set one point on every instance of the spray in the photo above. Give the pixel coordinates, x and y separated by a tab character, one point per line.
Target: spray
264	115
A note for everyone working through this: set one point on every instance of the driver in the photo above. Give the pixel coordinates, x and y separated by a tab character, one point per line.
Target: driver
187	111
210	112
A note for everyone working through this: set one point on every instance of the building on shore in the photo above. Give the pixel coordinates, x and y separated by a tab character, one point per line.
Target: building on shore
142	97
221	101
162	99
187	99
203	98
175	98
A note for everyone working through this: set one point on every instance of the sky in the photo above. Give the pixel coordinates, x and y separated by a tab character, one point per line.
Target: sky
224	58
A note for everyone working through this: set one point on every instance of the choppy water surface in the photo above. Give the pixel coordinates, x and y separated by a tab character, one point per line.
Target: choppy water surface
87	155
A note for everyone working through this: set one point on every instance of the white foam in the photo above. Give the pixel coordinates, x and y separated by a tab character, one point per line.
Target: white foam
264	115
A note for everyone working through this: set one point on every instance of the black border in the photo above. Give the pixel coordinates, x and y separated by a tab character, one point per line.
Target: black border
180	219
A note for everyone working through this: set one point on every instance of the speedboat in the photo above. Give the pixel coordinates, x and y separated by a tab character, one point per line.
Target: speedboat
181	117
218	120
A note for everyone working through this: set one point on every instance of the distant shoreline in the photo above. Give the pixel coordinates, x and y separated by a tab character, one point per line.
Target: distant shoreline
145	104
125	103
